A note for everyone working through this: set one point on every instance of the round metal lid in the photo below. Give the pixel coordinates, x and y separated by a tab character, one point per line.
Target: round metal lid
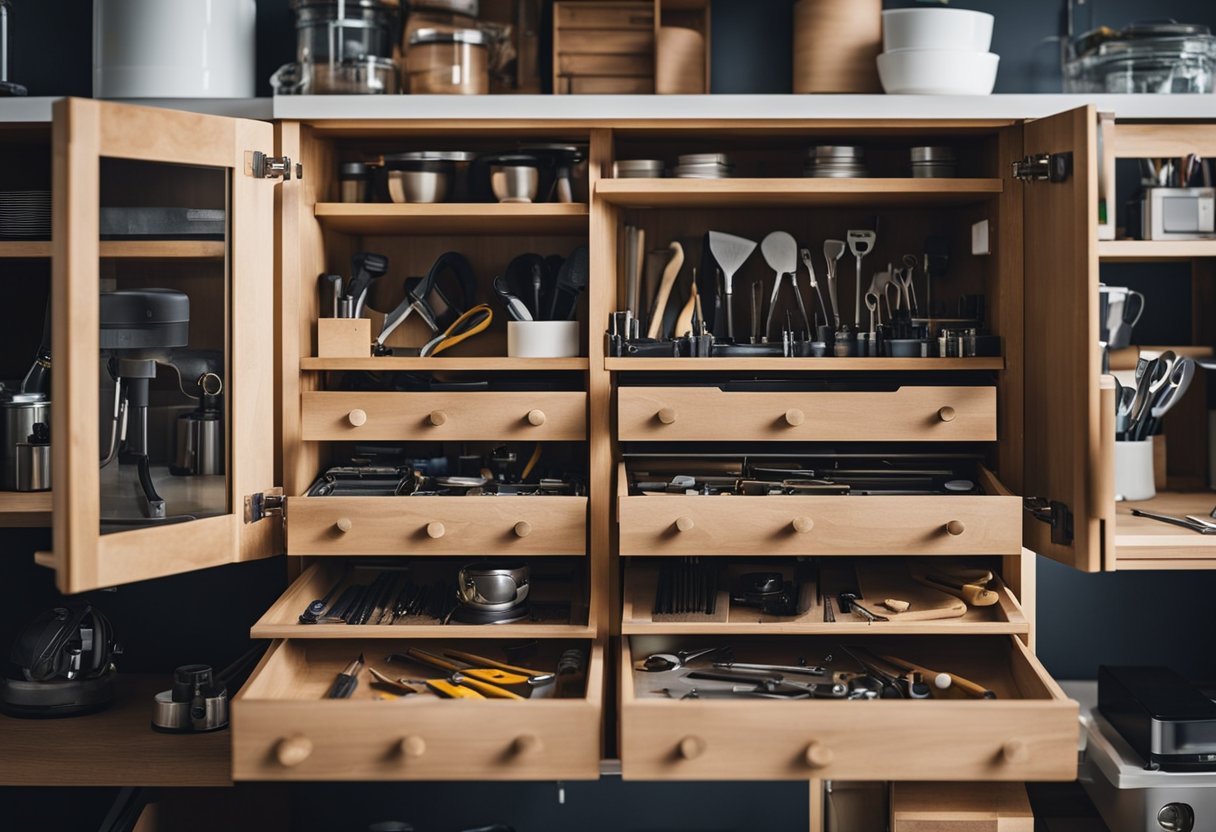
352	169
474	37
932	154
705	159
22	398
837	151
431	156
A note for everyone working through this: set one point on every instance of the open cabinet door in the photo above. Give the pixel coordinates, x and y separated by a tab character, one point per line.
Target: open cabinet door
147	200
1063	466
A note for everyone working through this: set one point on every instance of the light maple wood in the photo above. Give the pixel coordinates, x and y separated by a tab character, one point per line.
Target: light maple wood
344	338
908	414
444	416
738	193
31	508
1147	251
1139	538
126	249
424	526
1138	141
453	218
948	739
781	365
282	709
960	807
442	362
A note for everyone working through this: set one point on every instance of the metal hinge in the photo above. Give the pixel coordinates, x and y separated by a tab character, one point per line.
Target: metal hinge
1055	514
1044	167
262	503
260	166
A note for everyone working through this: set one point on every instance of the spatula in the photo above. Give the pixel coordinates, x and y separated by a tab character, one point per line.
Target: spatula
730	252
780	251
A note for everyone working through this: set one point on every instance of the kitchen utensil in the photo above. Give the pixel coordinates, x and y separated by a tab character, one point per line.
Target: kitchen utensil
780	251
730	253
1184	522
1168	395
670	273
943	680
470	323
639	265
563	158
1150	57
570	283
536	678
757	304
836	162
632	278
937	72
1156	374
659	662
346	682
937	28
22	415
810	269
341	47
861	242
514	177
638	169
354	180
871	299
365	268
516	308
935	262
439	298
416	181
833	250
1135	478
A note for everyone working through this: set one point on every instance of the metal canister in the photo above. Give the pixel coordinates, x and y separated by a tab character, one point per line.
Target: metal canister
930	162
200	443
353	182
21	412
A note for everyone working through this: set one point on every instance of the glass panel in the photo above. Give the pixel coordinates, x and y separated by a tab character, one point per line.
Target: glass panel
165	351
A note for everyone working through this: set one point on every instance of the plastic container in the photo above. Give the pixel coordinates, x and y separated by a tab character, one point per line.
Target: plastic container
542	339
448	63
1134	478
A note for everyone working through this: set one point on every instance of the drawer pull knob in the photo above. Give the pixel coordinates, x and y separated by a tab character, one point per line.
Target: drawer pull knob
794	417
437	417
435	530
684	523
667	415
1015	751
523	528
526	745
946	414
343	524
802	525
412	747
819	755
955	527
536	417
291	751
357	418
690	748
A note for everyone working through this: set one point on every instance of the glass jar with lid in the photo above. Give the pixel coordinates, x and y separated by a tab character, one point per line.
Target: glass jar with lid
448	63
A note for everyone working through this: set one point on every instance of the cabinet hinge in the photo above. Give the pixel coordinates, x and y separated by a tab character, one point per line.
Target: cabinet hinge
1055	514
1044	167
262	503
260	166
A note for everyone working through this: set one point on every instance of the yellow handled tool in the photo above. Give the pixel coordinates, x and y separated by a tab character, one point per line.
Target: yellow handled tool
476	320
535	677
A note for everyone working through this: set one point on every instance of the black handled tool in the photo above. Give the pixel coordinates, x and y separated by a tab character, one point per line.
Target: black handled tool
365	267
347	680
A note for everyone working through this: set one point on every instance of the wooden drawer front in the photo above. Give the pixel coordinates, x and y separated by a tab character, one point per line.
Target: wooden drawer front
953	739
873	525
908	414
437	525
283	728
439	416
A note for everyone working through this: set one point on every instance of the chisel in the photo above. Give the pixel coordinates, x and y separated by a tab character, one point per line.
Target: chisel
347	680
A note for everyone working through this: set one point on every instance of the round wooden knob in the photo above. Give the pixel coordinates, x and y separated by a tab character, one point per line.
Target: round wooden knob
536	417
946	414
955	527
438	417
1015	751
523	528
435	530
691	747
343	524
291	751
357	417
684	524
412	746
666	415
794	417
802	525
527	744
819	755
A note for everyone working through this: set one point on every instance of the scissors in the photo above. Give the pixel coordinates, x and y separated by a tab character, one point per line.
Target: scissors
433	298
466	326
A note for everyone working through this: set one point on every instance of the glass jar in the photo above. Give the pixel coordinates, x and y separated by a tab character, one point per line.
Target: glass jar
327	30
448	63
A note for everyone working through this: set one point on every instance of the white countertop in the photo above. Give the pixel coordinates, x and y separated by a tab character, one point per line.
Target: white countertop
659	107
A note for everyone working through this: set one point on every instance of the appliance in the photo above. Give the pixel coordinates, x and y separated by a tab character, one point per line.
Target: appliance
492	593
1165	719
197	703
174	48
1175	214
63	664
342	47
200	432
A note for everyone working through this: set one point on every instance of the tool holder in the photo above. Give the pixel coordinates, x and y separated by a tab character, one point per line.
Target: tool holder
344	337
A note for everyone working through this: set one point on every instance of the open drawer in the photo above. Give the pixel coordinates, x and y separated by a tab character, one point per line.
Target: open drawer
557	602
898	414
987	523
1028	733
498	416
283	728
419	526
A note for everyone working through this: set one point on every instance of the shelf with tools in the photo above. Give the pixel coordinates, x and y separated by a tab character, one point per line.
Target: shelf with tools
25	508
453	218
818	365
1145	543
742	193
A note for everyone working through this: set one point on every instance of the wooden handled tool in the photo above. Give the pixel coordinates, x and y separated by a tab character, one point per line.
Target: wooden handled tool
670	273
974	594
942	680
684	321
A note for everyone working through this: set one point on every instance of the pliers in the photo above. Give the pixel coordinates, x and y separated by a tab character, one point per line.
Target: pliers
476	320
437	304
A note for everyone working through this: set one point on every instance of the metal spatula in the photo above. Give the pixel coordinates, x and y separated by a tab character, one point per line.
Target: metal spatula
730	252
780	251
833	250
861	243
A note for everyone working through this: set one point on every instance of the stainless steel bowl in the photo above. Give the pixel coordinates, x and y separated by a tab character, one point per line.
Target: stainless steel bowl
514	183
417	185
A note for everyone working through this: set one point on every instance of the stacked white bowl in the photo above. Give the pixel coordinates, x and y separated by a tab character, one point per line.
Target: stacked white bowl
937	52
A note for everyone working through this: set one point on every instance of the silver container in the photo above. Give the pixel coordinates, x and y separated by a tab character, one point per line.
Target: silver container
837	152
21	411
353	179
514	183
417	186
200	444
638	169
705	159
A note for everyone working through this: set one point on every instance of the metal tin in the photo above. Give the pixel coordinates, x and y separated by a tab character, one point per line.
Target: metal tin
472	36
705	159
929	153
353	178
20	412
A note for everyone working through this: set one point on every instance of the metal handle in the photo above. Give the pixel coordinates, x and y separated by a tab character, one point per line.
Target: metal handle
357	418
435	530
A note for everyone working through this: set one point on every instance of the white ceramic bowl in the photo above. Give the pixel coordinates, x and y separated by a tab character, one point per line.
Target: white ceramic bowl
962	29
937	72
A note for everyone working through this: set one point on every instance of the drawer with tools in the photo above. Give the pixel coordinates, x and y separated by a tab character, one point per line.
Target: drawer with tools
339	709
787	410
436	597
858	504
973	708
835	596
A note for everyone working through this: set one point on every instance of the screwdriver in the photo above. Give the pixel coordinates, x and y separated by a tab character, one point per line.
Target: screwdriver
347	680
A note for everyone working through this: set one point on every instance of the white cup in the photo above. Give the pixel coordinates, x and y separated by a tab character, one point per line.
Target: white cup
542	339
1134	470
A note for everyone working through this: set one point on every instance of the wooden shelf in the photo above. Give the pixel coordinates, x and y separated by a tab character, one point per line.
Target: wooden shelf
399	631
742	193
469	363
1141	543
25	249
454	218
116	747
781	365
127	249
1131	251
25	508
